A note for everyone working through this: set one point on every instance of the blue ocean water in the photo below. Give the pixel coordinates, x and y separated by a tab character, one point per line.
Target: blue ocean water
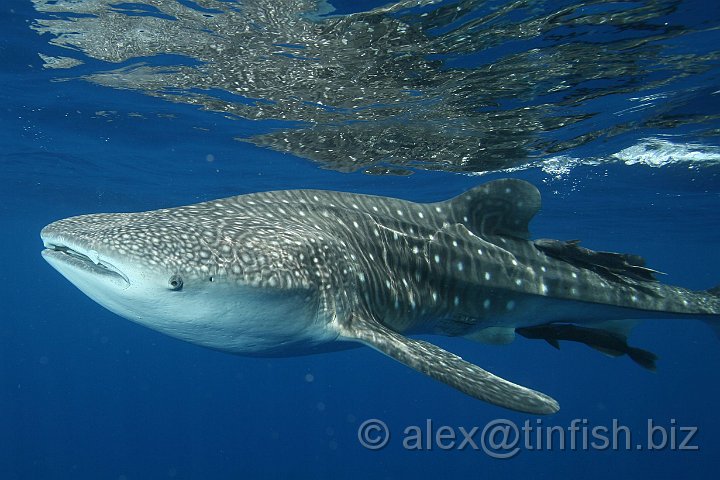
610	108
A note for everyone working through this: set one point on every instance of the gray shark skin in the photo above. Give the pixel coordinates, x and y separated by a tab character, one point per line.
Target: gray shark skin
301	271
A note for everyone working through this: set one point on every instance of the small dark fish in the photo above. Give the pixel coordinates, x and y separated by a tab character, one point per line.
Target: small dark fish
609	264
611	343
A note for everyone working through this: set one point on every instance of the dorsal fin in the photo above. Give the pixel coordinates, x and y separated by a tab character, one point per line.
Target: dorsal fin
501	207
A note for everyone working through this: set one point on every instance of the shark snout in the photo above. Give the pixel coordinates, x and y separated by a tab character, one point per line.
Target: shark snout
78	253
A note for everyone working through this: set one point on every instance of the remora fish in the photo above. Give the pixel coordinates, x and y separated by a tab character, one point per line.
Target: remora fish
291	272
606	341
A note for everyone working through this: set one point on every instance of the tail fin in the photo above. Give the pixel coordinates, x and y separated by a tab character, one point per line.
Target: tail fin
643	358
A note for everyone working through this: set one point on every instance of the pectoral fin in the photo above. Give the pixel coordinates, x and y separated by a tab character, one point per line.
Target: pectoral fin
553	342
448	368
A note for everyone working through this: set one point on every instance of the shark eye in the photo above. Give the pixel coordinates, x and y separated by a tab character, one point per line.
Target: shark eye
175	282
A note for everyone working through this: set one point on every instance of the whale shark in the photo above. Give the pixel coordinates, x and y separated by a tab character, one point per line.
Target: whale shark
294	272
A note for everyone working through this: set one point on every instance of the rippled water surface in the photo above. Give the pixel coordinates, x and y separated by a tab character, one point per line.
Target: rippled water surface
610	108
452	85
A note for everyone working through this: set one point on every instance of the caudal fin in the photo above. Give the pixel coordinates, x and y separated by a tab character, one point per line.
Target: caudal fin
643	358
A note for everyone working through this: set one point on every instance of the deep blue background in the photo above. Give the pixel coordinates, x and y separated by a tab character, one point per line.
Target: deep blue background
85	394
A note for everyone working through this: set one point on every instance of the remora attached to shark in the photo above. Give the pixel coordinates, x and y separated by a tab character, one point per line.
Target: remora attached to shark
301	271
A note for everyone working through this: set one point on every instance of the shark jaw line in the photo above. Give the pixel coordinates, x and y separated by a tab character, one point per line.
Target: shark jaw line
85	259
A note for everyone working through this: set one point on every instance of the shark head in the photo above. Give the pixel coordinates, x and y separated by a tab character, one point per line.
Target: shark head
227	286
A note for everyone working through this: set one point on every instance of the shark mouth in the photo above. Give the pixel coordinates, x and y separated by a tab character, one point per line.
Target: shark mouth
88	260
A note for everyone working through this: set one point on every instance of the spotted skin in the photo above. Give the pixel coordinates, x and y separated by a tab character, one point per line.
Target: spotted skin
290	272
